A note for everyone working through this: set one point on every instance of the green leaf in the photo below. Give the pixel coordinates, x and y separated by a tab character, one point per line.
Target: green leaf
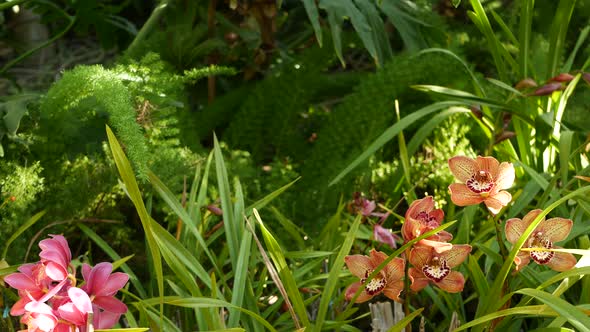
268	198
576	317
314	18
276	254
20	230
128	178
557	34
534	310
456	3
400	326
15	110
334	275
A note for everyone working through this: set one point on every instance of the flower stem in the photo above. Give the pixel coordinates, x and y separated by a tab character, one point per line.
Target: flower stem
503	250
407	290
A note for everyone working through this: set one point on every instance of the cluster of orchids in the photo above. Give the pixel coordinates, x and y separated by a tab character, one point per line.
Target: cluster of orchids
51	302
432	259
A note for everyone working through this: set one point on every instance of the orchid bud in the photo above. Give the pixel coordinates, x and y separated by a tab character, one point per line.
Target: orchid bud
548	89
525	84
563	77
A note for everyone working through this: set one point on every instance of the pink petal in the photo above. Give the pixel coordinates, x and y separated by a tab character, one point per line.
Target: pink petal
562	261
105	319
63	244
38	307
98	277
358	264
462	167
20	281
18	309
488	164
505	177
70	312
419	280
514	229
115	282
384	235
456	255
394	289
80	299
496	202
111	304
411	229
462	196
555	229
453	283
55	271
420	255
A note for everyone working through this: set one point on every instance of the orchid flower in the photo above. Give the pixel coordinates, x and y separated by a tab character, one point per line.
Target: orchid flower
101	285
388	281
432	267
483	180
384	235
421	217
56	256
543	237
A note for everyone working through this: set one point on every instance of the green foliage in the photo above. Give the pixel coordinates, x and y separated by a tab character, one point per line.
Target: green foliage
360	118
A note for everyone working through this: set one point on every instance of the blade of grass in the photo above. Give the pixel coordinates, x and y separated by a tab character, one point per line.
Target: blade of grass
558	33
20	230
334	275
400	326
127	175
286	277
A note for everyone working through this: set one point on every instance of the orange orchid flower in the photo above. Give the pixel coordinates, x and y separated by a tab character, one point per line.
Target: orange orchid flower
483	180
544	236
388	281
432	267
421	217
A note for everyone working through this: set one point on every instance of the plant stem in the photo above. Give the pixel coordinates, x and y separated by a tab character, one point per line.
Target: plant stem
503	250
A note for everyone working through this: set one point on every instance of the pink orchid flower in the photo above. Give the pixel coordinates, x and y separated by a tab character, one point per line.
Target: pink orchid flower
421	217
56	256
101	286
388	281
77	308
543	237
39	317
483	180
432	267
384	235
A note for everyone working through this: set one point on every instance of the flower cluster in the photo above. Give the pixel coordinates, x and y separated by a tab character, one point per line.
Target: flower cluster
49	299
482	180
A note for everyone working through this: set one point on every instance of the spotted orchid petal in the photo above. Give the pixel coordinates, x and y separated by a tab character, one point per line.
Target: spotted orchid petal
452	283
462	167
496	202
562	261
358	264
555	229
462	196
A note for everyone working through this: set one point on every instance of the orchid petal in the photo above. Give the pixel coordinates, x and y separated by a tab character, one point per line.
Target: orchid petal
105	319
98	277
384	235
505	177
521	260
420	255
562	261
496	202
20	281
514	229
115	282
111	304
394	289
55	271
352	289
395	270
488	164
462	196
419	280
80	299
456	255
444	236
555	229
532	215
425	204
453	283
462	167
70	312
377	257
436	245
358	264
